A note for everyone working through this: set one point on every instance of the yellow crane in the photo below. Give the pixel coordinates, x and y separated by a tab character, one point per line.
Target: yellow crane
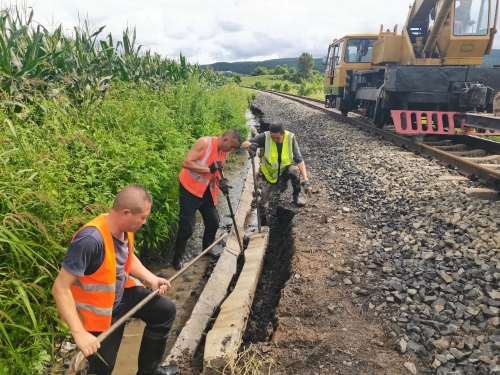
429	73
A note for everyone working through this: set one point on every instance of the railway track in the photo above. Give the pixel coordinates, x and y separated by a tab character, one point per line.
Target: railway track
474	157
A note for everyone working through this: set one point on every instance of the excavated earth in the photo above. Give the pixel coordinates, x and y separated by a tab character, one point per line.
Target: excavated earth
387	270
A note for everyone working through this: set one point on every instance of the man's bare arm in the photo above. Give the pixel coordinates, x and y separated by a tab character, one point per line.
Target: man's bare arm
302	169
65	303
138	270
193	155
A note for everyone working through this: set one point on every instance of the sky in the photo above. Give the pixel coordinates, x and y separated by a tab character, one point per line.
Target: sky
212	31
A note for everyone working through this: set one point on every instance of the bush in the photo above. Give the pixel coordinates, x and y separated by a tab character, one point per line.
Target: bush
260	71
276	86
260	85
281	69
286	87
305	89
235	77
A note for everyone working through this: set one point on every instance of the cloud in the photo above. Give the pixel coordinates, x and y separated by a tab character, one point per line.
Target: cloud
230	27
230	30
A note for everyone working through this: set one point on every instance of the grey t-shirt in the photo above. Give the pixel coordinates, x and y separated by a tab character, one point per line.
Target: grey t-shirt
260	140
86	254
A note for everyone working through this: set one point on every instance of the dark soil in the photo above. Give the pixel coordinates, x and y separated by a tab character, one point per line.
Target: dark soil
276	272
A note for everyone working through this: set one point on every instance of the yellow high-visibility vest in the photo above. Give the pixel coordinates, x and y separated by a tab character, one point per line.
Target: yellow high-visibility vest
269	166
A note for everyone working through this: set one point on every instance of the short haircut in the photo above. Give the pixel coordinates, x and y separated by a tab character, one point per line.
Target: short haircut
276	128
132	197
232	133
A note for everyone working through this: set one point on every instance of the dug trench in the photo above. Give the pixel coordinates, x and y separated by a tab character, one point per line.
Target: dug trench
275	273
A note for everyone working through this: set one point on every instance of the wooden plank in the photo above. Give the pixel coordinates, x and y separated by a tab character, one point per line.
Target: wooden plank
216	289
212	296
453	178
225	337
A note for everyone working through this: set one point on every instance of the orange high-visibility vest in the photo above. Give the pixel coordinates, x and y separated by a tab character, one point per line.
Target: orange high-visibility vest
195	182
94	294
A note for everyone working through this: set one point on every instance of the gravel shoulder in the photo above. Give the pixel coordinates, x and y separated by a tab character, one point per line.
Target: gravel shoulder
390	270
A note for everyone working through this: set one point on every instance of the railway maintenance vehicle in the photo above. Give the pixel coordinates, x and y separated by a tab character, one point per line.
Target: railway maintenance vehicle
426	78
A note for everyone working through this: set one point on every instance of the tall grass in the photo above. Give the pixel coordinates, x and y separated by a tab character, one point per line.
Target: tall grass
81	116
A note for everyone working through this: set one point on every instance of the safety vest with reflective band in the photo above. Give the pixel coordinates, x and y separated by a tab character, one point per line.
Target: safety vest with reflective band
269	165
94	294
196	182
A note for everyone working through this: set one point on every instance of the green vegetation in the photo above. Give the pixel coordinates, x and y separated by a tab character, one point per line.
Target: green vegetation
80	118
305	65
305	81
247	67
272	82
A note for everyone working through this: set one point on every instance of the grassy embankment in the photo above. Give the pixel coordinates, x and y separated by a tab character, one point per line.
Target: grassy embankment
80	118
268	82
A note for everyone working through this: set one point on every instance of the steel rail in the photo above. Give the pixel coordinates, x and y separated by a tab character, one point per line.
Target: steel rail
467	168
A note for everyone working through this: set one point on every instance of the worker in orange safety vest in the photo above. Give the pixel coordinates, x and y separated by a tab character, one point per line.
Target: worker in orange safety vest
98	283
199	185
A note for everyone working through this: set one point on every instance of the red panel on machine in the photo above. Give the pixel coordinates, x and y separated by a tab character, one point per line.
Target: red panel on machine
433	122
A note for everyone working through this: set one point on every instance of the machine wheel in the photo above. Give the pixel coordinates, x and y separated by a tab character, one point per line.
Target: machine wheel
379	116
344	113
327	102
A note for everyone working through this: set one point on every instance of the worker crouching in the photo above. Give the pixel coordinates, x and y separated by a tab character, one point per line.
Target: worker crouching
281	161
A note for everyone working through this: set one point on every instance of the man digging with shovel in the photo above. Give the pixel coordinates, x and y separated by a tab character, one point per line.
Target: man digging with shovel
199	180
281	161
95	287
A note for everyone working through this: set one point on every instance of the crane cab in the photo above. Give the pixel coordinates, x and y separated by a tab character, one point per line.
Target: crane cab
346	55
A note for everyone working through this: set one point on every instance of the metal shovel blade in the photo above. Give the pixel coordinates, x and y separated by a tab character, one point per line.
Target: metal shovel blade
78	366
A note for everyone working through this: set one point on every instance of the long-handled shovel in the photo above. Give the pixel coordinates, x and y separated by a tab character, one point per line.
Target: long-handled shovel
226	194
256	193
78	365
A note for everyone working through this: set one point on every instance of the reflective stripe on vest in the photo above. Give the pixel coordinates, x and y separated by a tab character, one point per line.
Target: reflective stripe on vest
94	294
269	165
195	182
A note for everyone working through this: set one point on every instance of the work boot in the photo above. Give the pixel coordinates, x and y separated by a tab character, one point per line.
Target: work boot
152	349
177	264
297	199
180	248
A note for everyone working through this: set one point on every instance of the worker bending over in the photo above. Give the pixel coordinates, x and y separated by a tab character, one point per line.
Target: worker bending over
281	161
199	185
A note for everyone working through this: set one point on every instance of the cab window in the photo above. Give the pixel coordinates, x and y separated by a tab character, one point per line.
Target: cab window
338	53
359	50
471	17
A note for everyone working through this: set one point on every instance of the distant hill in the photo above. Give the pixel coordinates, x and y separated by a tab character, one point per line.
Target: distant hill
247	67
493	59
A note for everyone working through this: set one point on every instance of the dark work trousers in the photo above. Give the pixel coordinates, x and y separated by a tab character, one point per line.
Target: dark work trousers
267	189
159	316
189	204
